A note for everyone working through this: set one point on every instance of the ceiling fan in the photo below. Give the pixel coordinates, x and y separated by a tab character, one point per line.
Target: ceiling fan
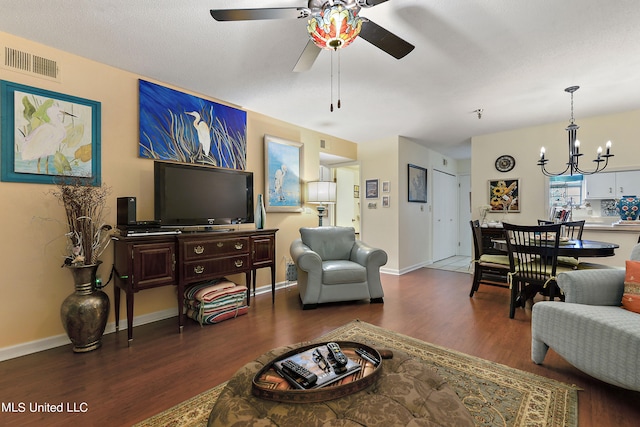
333	24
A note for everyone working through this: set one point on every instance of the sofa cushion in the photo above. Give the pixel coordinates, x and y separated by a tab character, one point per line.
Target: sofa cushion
340	272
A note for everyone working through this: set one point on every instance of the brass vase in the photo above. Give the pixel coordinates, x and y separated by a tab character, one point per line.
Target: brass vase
84	313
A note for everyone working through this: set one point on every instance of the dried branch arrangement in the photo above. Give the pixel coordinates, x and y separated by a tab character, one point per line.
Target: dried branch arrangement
84	206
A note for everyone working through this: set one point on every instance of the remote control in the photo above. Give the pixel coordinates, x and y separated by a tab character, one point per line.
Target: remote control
336	354
299	373
367	356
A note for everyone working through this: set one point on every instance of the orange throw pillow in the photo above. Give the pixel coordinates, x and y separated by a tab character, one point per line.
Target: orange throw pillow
631	297
631	302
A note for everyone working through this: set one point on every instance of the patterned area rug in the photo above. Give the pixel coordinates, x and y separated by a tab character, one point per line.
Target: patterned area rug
494	394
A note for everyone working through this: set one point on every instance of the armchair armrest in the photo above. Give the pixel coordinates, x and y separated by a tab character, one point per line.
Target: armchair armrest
304	257
593	287
372	259
367	256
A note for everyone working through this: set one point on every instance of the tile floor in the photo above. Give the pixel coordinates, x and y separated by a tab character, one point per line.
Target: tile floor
458	263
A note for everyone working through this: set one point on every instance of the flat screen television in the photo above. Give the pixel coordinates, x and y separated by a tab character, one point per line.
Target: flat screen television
189	195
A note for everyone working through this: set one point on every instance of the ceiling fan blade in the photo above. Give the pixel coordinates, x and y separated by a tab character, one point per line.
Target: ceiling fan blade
307	58
371	3
384	39
254	14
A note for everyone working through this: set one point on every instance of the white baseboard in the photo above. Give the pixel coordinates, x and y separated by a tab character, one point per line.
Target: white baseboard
24	349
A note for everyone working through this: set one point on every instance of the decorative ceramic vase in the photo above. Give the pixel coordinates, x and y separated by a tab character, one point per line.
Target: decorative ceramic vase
628	207
84	313
261	213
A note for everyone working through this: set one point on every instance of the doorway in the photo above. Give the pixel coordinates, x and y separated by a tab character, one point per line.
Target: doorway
445	207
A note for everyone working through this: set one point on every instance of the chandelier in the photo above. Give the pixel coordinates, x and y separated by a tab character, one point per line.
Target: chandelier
574	150
335	27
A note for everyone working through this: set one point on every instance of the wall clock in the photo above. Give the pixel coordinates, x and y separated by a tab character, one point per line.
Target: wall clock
505	163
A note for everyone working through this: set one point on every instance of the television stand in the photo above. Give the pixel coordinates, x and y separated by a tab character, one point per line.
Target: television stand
145	262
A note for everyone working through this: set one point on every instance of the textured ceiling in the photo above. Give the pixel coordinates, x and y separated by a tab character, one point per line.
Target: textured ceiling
512	58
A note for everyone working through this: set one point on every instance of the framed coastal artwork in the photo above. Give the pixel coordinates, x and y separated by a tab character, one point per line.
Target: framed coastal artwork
184	128
417	183
48	135
504	195
283	171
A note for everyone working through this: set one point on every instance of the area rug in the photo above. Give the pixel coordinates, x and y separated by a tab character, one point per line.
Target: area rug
494	394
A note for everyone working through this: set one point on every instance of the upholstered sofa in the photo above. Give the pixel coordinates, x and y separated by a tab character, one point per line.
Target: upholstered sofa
590	330
333	266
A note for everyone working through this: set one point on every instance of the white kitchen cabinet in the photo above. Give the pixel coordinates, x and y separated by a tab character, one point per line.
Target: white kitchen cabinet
601	185
612	185
627	183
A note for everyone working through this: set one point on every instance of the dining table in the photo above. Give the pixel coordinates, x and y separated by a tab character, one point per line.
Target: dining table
573	248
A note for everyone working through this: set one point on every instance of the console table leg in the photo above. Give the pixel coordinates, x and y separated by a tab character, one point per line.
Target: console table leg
273	284
116	304
129	317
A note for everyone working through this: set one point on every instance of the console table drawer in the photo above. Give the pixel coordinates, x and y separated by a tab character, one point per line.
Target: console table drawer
201	249
204	269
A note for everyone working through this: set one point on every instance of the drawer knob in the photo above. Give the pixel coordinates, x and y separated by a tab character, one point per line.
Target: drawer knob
198	269
220	244
239	245
198	249
239	263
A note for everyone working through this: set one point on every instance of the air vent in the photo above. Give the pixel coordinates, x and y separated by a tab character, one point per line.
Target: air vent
323	144
34	65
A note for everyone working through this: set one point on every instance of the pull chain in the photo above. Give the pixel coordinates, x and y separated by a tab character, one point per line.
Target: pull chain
331	82
338	79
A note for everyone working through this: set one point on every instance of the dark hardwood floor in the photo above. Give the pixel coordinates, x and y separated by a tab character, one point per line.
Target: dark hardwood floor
119	385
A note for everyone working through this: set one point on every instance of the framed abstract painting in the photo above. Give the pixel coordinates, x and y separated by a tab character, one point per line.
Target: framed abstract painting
417	184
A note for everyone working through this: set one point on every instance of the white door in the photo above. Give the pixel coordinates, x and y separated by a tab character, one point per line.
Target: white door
347	204
445	205
464	215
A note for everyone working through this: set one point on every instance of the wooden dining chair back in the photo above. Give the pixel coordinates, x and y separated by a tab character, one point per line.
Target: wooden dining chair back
570	229
488	269
533	257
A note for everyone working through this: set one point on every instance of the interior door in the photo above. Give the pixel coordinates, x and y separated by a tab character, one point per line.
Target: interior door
445	206
464	215
347	205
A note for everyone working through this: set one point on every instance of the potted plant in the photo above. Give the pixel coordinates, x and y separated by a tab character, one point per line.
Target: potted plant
84	313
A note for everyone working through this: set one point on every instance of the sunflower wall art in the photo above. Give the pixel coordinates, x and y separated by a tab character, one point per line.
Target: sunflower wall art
504	195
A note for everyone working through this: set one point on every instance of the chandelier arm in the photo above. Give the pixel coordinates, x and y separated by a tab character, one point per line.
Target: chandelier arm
545	172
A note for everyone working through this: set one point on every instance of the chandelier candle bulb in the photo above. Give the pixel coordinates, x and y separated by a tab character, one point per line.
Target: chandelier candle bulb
608	147
542	153
599	152
577	146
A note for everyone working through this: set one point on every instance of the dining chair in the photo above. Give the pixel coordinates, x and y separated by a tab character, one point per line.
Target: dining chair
571	230
488	269
533	257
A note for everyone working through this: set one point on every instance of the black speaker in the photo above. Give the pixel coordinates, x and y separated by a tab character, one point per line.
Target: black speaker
126	210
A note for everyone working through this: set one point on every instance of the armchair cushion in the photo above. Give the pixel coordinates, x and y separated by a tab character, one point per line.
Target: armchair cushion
340	272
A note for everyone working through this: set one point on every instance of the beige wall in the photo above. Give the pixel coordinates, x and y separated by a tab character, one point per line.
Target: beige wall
524	145
33	284
403	229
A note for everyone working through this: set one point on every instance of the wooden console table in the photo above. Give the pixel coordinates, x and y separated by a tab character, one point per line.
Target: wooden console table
145	262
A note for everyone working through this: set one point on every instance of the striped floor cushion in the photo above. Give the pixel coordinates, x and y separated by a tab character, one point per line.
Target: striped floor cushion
214	301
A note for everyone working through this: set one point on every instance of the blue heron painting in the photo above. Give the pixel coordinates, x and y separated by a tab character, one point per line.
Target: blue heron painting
185	128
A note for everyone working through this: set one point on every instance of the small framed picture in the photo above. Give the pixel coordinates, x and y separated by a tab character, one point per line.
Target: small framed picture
385	201
371	186
417	184
386	186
